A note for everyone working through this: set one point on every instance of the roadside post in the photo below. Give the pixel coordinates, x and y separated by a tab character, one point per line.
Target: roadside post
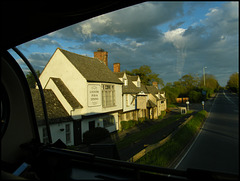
203	104
187	105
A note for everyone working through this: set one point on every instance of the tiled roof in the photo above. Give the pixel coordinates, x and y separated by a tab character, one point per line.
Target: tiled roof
151	104
130	88
66	93
92	69
55	110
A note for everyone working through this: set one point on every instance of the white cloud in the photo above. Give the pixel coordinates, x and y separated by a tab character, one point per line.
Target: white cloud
213	11
42	42
176	37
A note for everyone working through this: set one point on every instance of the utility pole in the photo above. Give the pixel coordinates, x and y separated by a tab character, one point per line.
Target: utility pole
204	75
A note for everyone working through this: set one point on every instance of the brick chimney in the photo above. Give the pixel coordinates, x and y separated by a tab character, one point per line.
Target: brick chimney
116	67
155	84
102	55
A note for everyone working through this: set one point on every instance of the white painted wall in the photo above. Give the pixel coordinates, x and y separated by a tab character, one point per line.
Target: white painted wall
56	133
131	103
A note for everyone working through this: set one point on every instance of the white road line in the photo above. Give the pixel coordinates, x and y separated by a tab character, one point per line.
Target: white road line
196	137
228	98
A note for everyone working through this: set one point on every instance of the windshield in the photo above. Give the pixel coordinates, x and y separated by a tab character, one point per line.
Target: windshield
156	83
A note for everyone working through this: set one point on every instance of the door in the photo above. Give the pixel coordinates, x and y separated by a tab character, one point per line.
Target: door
91	125
77	132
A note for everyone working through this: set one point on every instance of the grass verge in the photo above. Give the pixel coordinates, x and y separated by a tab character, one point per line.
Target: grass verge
165	154
125	142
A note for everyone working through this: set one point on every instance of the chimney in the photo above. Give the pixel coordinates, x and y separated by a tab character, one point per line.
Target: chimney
102	55
155	84
116	67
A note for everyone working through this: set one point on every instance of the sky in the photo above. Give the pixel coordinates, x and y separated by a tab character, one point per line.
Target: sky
173	38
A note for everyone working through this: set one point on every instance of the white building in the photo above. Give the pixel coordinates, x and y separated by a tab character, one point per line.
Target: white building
87	89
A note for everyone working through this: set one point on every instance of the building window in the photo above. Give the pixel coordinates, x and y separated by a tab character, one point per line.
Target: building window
68	133
108	96
108	121
45	135
125	82
138	84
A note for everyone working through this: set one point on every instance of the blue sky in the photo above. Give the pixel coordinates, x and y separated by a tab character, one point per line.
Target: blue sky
173	38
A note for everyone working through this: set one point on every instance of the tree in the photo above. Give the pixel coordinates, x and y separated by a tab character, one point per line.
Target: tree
186	83
195	96
233	82
30	78
172	92
210	82
189	81
146	75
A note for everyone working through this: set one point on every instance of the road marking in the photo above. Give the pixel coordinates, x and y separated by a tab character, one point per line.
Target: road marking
196	136
228	98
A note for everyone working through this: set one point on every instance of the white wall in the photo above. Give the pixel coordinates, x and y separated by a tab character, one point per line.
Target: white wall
131	103
56	133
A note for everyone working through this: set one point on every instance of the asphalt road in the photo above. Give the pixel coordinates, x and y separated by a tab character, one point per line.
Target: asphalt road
216	147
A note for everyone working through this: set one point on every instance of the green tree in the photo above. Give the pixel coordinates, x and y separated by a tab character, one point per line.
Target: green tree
210	82
146	75
30	78
172	92
186	83
189	81
195	96
233	82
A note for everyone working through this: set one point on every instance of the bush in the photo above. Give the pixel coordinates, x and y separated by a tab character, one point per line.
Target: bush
95	135
163	113
128	124
195	96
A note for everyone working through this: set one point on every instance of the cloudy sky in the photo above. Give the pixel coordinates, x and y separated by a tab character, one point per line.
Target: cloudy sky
173	38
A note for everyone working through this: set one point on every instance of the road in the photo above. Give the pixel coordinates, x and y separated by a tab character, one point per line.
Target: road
216	147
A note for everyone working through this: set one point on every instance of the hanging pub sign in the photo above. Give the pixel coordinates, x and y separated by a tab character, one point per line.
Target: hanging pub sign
141	102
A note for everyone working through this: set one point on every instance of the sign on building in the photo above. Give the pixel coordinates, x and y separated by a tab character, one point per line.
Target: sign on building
94	95
142	102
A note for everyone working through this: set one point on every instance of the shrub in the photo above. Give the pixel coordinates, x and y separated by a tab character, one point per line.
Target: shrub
95	135
128	124
163	113
195	96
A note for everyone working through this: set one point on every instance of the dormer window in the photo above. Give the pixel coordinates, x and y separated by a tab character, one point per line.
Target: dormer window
125	81
138	84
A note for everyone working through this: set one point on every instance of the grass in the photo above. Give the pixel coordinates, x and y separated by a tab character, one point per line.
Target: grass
165	154
125	142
